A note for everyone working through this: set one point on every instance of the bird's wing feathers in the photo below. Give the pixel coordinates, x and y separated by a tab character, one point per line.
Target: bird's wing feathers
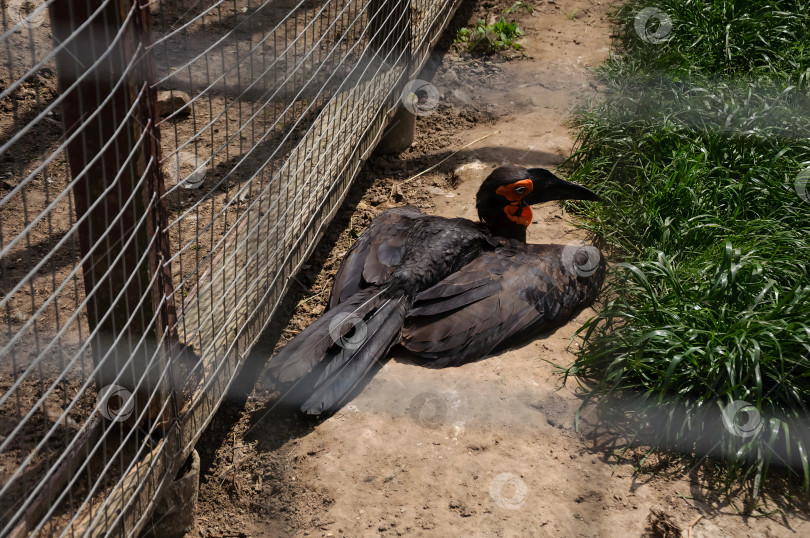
309	347
504	295
375	254
350	363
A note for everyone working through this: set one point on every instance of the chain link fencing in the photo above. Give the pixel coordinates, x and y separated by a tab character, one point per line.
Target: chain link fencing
167	167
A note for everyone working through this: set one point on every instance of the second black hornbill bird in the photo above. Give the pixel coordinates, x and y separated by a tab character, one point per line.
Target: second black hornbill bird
449	290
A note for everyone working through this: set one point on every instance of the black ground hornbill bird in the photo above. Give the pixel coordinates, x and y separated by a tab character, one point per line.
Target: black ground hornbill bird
449	290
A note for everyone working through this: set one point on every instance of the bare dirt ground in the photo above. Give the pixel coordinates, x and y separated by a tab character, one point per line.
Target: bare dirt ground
487	449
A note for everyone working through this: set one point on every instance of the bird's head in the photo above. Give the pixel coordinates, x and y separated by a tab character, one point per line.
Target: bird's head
505	198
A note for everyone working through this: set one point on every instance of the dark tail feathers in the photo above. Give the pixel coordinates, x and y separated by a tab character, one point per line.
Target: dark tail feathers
346	341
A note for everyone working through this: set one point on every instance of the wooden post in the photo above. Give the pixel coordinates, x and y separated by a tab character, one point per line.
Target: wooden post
126	217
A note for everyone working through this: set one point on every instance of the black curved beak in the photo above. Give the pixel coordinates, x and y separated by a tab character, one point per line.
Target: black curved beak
548	187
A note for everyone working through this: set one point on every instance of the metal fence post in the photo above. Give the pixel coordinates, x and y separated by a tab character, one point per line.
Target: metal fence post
180	358
390	26
389	23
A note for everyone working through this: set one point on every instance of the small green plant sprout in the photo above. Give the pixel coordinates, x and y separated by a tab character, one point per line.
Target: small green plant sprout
463	35
490	38
518	6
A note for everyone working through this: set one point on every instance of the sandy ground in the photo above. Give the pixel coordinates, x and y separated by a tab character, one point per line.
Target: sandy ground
487	449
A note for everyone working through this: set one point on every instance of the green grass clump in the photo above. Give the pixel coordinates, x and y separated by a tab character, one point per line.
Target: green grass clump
501	35
727	38
705	165
698	149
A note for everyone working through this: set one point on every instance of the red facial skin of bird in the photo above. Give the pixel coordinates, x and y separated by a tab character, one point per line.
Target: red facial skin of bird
522	214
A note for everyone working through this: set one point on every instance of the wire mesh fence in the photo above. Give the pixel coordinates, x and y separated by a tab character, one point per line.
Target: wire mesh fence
167	166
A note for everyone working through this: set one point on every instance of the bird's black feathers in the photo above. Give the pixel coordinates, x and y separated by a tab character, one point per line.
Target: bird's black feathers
375	255
501	297
449	290
309	348
350	364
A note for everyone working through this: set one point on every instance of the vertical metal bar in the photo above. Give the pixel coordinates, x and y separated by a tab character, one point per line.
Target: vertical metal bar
149	163
163	292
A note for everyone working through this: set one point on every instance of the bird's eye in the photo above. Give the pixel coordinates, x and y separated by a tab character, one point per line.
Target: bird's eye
520	190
